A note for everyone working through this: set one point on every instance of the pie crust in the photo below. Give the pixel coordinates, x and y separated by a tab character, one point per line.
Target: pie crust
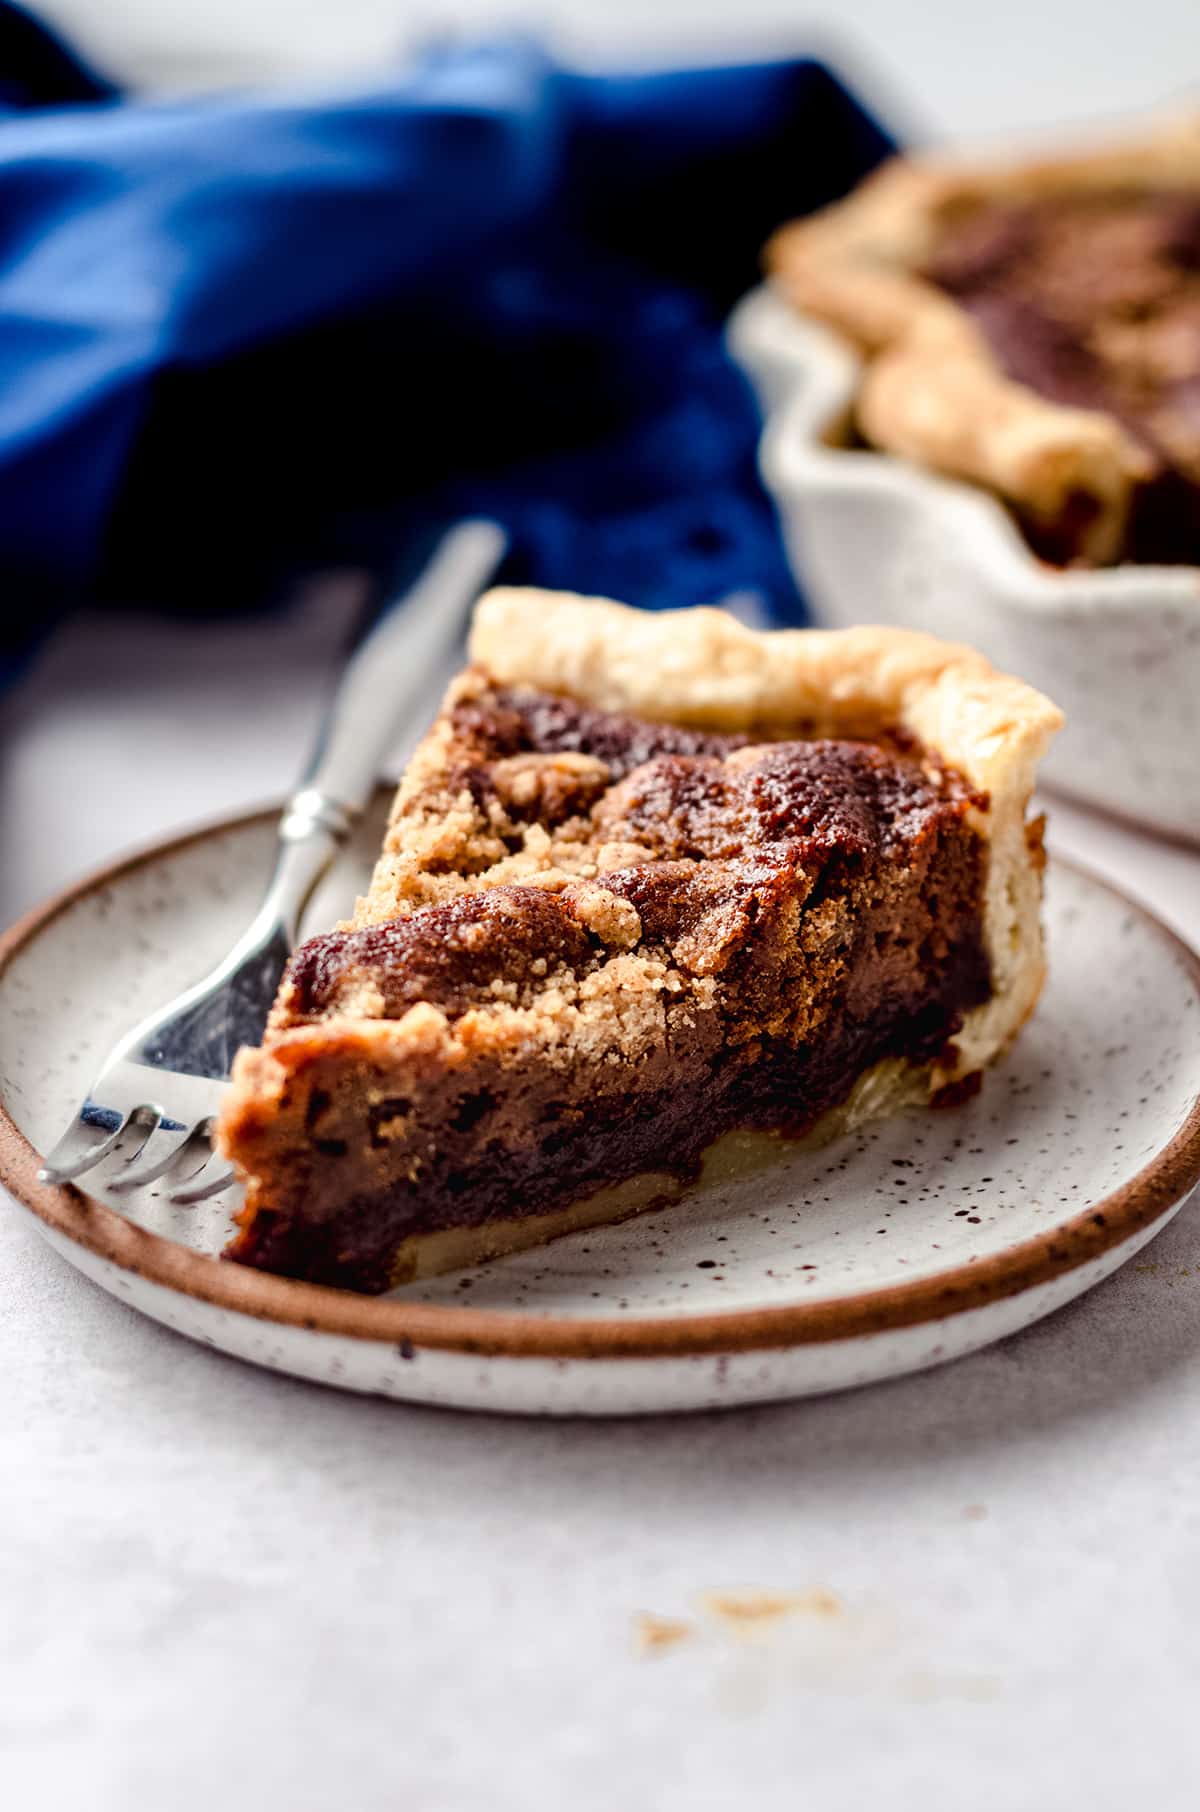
933	390
338	1038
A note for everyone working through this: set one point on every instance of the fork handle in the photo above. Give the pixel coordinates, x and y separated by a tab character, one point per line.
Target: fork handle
386	680
387	677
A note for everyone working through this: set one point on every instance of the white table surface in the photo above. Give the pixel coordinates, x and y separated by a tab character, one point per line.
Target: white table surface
222	1589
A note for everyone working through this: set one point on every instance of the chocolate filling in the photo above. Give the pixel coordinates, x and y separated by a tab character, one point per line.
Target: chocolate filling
1094	302
796	912
517	721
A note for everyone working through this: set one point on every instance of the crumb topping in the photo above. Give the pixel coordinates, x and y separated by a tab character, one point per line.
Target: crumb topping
623	885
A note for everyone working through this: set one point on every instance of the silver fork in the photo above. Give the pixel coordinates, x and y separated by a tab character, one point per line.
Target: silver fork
161	1085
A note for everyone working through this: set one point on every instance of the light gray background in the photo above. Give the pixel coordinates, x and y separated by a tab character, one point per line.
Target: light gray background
222	1589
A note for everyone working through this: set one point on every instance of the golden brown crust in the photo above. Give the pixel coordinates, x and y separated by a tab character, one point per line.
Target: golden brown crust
703	668
933	390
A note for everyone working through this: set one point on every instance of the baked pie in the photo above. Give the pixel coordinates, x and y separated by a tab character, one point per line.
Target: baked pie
650	878
1034	327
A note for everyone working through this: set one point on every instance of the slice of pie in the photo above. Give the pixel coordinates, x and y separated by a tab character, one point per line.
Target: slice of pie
1034	327
650	878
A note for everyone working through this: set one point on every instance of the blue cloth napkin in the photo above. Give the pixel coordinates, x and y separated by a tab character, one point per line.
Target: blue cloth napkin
249	336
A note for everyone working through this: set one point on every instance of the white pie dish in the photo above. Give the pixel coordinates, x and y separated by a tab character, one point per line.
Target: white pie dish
875	539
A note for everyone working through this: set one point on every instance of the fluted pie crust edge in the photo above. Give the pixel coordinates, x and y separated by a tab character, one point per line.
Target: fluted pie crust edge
932	389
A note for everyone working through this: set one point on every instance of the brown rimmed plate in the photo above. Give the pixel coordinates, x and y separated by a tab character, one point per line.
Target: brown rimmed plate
779	1275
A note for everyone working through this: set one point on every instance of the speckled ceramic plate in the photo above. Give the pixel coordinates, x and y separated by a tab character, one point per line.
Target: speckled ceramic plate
914	1242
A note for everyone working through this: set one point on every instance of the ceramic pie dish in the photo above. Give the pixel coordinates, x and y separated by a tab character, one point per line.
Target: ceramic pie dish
982	423
1032	325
